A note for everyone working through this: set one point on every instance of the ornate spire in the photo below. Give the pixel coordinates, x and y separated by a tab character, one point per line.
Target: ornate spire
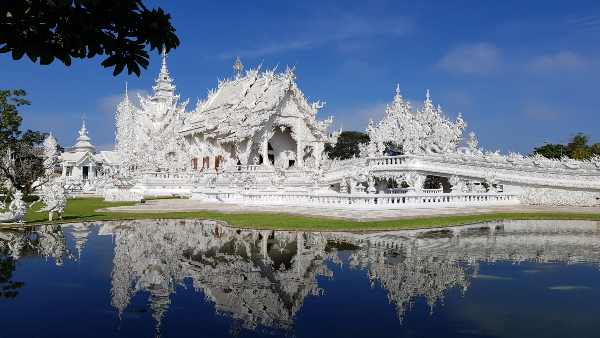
398	97
51	154
163	87
83	143
83	132
126	94
428	103
237	67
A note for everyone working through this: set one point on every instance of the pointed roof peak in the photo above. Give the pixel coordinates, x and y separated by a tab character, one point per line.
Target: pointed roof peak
164	61
83	132
238	67
83	140
163	83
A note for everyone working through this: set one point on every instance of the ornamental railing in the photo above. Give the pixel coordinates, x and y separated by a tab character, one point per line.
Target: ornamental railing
365	201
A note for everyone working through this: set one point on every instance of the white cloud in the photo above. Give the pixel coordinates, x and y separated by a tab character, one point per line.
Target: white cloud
473	59
562	61
542	113
458	98
357	119
109	104
332	26
361	69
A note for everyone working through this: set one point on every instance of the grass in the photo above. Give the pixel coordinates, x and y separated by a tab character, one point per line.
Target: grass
83	209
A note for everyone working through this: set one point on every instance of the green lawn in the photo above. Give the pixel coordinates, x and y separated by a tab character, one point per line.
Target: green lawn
82	209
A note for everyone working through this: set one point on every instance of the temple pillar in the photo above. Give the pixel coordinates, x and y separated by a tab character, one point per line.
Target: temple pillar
264	151
318	153
64	171
299	154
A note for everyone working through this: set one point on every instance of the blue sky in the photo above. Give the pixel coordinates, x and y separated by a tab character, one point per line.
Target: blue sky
521	72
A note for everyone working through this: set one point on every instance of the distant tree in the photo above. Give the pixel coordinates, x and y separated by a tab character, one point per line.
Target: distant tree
65	29
577	149
347	145
21	157
551	150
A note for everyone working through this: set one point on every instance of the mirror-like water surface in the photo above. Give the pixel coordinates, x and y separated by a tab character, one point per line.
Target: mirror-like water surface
201	278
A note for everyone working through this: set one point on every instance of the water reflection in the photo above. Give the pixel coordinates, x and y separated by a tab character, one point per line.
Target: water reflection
262	278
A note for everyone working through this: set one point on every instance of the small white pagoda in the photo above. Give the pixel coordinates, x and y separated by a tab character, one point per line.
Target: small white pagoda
81	160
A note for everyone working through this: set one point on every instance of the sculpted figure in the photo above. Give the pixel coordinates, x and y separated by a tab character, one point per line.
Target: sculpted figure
55	197
16	210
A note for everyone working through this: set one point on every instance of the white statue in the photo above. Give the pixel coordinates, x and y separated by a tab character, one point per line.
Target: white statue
55	197
17	210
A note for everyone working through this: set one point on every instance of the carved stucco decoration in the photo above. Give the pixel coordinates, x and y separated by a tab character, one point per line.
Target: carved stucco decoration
418	132
559	197
239	119
55	196
262	116
147	137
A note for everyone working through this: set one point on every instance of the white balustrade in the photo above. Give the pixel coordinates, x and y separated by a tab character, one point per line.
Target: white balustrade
322	199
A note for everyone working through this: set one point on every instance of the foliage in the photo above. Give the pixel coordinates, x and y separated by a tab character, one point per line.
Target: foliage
21	161
347	145
551	150
432	182
577	149
7	266
65	29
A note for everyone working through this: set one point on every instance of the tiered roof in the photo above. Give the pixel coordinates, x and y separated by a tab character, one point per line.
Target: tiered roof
240	106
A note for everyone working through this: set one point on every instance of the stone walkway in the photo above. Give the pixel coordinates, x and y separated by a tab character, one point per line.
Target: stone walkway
181	205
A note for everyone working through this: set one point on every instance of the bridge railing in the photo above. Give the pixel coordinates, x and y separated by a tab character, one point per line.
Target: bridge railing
342	201
385	160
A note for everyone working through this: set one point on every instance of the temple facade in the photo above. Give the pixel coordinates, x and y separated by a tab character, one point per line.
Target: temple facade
260	118
81	160
255	140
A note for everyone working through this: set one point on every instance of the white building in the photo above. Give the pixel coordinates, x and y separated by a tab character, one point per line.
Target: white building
255	141
82	161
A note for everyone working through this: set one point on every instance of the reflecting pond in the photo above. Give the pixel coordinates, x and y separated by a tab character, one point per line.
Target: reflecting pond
202	278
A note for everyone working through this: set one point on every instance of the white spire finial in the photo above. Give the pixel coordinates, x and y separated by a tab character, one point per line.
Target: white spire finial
163	69
237	67
126	95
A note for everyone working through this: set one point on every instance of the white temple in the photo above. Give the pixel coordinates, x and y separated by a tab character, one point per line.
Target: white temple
82	161
255	140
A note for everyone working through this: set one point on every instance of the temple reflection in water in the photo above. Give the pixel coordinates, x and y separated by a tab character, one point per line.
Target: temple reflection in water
262	277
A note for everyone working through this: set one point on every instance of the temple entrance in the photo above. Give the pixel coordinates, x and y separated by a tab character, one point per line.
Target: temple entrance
86	171
283	147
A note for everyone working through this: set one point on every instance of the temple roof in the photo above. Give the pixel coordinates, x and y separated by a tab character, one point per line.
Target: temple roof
240	106
83	141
